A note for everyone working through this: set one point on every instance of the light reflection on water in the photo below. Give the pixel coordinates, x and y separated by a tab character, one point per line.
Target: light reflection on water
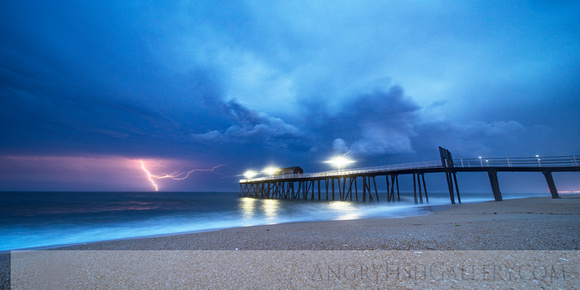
345	210
271	208
247	207
256	211
251	207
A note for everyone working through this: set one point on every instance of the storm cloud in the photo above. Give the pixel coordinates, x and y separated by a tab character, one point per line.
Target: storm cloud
252	126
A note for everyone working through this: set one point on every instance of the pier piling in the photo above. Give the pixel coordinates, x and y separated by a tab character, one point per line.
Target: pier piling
494	185
551	184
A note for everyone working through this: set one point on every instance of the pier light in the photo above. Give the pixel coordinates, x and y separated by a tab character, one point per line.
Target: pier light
250	174
270	170
480	162
340	162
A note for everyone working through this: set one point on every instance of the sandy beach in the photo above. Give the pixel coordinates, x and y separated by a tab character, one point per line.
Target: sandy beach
539	223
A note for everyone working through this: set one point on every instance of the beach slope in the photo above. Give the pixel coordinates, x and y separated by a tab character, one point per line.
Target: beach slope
537	223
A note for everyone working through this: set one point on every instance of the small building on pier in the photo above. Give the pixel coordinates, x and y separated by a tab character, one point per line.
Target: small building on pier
290	171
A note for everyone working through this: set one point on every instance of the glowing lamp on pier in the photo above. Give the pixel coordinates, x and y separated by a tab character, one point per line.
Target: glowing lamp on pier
250	174
270	170
340	162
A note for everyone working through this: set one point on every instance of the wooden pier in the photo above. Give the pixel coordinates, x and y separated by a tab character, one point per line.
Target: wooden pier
343	184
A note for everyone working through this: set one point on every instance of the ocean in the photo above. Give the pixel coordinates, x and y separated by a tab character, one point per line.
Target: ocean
47	219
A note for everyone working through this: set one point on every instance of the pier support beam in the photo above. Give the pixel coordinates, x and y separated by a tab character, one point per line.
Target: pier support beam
494	185
398	192
355	189
376	191
364	189
332	189
415	189
344	188
449	177
456	187
326	185
388	189
425	188
551	184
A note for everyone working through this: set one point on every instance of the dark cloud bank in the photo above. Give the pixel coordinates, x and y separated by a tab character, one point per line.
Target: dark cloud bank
374	127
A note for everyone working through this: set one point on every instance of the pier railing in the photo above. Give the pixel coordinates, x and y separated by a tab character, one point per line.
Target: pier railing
363	170
538	161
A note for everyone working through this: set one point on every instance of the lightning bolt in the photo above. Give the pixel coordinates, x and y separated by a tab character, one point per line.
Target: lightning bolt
185	174
175	176
149	176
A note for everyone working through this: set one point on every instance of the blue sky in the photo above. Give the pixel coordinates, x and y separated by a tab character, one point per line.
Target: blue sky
88	89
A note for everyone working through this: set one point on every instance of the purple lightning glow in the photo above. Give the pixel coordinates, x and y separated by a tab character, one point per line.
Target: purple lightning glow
175	176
